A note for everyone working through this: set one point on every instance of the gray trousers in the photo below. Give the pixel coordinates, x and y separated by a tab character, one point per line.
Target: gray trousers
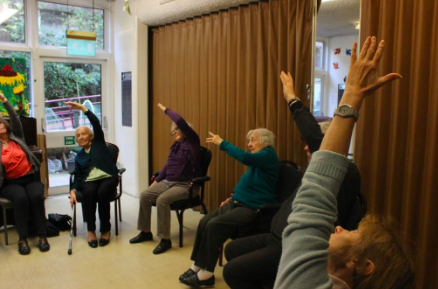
162	194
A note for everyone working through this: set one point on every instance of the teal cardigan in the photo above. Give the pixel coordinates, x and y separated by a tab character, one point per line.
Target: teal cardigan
257	186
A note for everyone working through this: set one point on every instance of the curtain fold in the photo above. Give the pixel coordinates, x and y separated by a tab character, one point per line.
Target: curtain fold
396	145
221	73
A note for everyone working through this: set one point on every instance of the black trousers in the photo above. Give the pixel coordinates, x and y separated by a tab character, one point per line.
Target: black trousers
98	192
215	228
252	263
27	195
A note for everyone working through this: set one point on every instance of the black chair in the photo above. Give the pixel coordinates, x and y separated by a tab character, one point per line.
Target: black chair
180	206
114	151
289	179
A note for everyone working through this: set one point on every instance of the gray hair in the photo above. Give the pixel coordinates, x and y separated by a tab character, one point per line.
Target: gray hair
267	137
173	126
87	129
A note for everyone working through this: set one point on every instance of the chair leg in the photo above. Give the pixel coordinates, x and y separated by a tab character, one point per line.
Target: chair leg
204	208
115	215
5	224
120	210
221	255
179	215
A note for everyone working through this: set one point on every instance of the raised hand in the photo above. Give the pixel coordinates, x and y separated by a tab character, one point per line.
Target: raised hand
3	99
75	105
288	86
362	79
214	138
162	106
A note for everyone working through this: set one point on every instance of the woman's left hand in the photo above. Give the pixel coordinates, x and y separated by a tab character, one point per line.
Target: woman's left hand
3	99
162	106
214	138
75	105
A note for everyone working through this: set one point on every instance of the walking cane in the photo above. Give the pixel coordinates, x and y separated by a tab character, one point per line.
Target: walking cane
73	213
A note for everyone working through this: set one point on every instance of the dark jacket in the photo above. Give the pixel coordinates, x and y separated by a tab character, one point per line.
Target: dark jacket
312	135
99	156
17	136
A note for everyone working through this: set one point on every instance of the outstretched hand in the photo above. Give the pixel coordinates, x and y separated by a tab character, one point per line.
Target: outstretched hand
362	79
3	99
162	106
75	105
288	86
214	138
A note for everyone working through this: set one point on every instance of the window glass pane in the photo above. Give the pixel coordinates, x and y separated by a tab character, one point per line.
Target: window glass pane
319	55
15	80
12	21
60	163
54	19
317	97
80	82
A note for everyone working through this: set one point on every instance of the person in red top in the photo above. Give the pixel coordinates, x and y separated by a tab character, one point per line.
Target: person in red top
19	180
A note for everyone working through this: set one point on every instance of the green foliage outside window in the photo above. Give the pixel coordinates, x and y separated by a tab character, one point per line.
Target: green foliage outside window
63	80
55	19
13	30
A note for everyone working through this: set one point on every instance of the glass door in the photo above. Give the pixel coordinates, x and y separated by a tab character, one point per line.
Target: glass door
78	81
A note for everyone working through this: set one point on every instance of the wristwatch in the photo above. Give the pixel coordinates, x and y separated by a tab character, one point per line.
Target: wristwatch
345	111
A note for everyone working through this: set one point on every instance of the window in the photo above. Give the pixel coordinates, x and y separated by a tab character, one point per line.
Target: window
319	55
317	96
12	21
80	82
54	19
14	80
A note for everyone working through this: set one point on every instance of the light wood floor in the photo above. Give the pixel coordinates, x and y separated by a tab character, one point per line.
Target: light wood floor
118	265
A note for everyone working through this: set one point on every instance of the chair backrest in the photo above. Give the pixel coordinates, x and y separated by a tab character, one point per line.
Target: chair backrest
289	178
358	211
205	160
114	151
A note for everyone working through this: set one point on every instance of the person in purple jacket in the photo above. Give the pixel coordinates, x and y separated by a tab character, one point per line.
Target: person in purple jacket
171	184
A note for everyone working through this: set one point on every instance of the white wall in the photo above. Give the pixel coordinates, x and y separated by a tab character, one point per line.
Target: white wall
130	54
336	76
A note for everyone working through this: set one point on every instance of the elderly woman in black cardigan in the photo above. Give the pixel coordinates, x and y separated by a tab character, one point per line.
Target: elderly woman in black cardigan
19	180
95	176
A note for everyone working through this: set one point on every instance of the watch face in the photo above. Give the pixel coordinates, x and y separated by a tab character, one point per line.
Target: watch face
344	110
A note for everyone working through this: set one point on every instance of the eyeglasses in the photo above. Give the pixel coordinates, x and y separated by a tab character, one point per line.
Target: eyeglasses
174	131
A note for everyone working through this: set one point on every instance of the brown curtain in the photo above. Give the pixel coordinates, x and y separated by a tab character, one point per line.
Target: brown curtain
221	73
397	134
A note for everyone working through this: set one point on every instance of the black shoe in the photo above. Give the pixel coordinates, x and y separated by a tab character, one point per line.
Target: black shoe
141	238
44	245
193	281
23	247
163	246
103	242
93	244
187	274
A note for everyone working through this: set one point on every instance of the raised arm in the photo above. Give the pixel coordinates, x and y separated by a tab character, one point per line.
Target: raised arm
259	159
306	239
180	122
14	119
97	128
306	122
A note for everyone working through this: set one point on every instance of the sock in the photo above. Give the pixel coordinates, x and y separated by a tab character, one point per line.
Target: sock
195	268
204	275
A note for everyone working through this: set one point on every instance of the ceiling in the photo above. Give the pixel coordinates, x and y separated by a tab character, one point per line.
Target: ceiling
335	18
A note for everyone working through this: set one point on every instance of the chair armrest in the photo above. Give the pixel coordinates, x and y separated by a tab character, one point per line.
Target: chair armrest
200	180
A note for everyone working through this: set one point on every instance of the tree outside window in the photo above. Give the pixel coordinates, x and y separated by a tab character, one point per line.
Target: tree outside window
54	19
12	21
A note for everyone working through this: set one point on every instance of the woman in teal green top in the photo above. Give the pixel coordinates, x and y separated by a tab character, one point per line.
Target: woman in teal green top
255	188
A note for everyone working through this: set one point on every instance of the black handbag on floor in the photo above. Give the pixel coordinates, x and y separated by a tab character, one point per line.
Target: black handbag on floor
62	222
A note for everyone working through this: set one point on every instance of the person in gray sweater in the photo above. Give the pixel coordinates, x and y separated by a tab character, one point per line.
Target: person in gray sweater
373	256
